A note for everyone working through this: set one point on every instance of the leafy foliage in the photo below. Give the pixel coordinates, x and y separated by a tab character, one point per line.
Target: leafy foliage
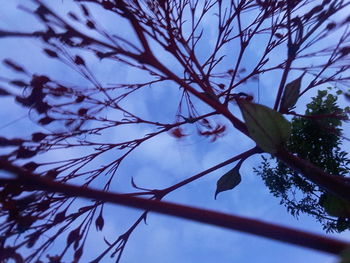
315	137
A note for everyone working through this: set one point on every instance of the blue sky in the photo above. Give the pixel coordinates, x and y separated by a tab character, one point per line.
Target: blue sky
163	162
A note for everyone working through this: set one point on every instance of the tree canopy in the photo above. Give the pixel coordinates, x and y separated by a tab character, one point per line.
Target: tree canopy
317	137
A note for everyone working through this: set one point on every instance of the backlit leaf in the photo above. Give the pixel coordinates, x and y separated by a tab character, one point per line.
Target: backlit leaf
228	181
73	236
13	65
334	206
99	222
4	92
24	153
267	127
291	94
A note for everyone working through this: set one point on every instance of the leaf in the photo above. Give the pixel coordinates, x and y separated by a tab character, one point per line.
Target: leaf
335	206
85	10
345	256
267	127
32	239
24	153
178	133
50	53
73	236
82	111
291	94
73	16
99	222
52	174
10	142
78	253
79	60
31	166
38	136
13	65
59	217
90	24
39	80
80	99
46	120
228	181
18	83
4	92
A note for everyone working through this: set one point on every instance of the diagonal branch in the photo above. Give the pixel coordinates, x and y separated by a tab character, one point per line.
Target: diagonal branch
232	222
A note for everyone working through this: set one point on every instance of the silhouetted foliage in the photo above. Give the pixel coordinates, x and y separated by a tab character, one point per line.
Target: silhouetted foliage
316	137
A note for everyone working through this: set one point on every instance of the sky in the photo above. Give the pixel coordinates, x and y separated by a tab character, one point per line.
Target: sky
163	162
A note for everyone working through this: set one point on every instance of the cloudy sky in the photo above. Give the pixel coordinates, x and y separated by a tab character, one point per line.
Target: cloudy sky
163	162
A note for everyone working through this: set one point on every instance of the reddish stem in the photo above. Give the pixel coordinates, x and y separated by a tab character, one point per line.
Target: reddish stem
242	224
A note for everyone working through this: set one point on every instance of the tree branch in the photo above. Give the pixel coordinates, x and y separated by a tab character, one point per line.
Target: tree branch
232	222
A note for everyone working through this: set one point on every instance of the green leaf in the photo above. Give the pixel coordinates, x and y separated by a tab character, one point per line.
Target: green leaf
334	206
228	181
345	256
291	94
267	127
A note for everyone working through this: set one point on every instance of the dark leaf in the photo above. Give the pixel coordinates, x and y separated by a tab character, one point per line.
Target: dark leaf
33	238
24	202
107	4
278	35
73	236
19	83
4	92
228	181
334	206
331	25
85	10
46	120
25	153
99	222
61	89
291	94
59	217
24	223
85	208
82	111
317	9
10	142
38	136
80	99
73	16
345	256
39	81
79	61
51	53
90	24
52	174
42	107
13	66
345	51
31	166
26	102
78	253
221	86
